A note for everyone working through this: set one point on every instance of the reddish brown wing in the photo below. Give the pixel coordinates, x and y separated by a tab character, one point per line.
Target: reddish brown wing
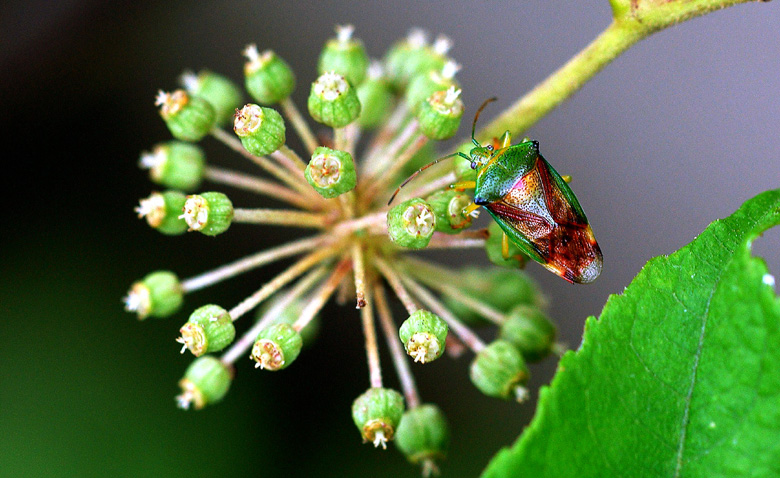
541	217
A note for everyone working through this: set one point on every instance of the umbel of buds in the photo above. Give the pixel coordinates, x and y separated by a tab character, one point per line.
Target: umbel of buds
340	184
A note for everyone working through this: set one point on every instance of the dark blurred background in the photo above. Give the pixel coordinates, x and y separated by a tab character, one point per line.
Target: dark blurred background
677	132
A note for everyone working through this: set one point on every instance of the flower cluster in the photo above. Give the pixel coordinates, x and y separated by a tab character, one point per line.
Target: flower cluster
360	245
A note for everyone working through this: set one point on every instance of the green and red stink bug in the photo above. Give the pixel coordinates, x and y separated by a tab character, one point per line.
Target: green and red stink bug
533	204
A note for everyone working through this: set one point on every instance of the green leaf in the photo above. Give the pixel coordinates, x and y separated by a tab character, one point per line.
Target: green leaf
680	376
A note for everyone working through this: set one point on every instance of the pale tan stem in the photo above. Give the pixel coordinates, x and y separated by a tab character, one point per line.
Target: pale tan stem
299	124
376	164
385	135
399	356
289	159
257	185
389	174
250	262
372	350
464	333
433	276
321	297
360	274
240	347
284	217
464	240
299	184
365	222
281	280
395	283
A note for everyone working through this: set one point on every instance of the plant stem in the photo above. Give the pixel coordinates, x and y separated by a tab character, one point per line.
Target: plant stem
464	333
290	160
360	274
294	182
250	262
372	350
323	294
464	240
256	185
281	280
395	283
563	83
633	21
432	276
241	345
399	357
300	125
285	217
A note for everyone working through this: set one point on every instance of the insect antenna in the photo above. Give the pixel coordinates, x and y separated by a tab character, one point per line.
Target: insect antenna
476	116
414	175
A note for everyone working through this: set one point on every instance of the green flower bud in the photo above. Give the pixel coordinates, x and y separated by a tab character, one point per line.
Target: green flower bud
205	382
448	206
440	114
223	95
189	118
413	56
331	172
423	86
411	224
260	129
423	436
209	329
377	413
530	331
333	101
500	371
175	165
375	98
345	56
159	294
276	347
423	335
269	79
210	213
162	210
494	249
502	289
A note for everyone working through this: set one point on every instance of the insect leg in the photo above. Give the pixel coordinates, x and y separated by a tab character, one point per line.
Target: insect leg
505	246
461	185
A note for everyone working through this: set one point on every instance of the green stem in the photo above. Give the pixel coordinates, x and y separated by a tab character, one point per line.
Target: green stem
633	21
529	109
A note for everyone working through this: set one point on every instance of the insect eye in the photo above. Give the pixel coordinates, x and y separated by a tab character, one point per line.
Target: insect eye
490	147
473	165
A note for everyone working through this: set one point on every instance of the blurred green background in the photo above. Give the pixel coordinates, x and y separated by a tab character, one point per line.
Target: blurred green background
677	132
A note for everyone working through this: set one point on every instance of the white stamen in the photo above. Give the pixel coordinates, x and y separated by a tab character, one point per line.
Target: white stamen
189	80
521	394
151	206
182	341
251	53
375	70
132	301
184	400
161	98
152	159
417	37
449	70
442	44
344	32
379	439
451	95
768	279
330	86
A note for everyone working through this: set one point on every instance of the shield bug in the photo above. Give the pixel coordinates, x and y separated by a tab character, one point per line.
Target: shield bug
532	203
